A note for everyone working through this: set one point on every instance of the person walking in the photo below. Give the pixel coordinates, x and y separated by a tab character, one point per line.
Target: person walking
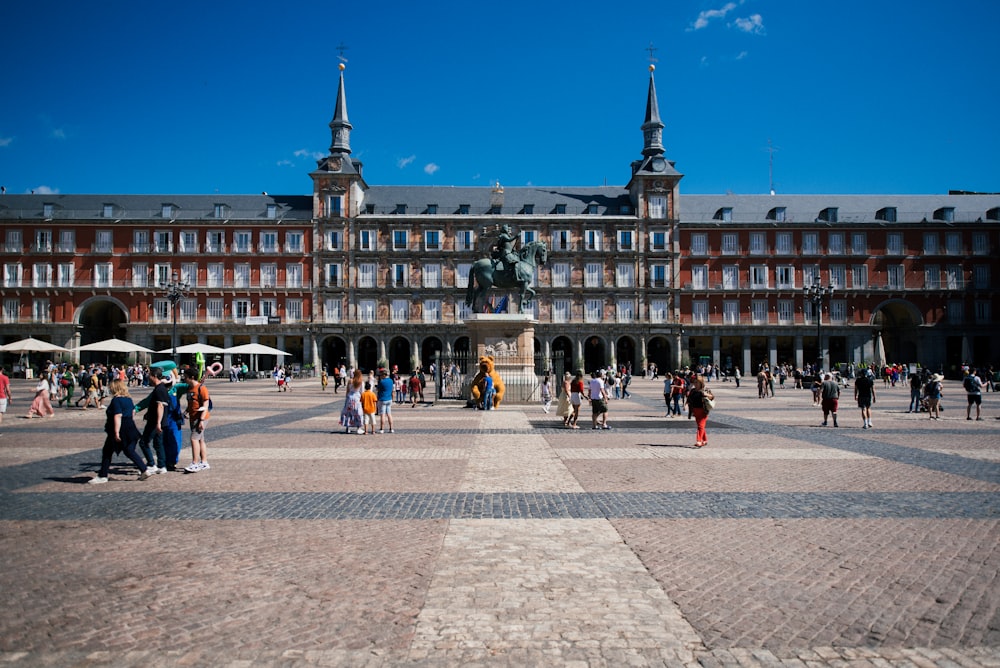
563	408
864	394
369	404
324	379
122	434
974	389
198	402
830	397
546	393
696	404
5	395
41	405
599	397
350	415
156	417
386	387
575	398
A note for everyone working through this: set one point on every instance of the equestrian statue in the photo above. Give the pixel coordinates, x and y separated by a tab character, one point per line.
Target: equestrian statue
505	268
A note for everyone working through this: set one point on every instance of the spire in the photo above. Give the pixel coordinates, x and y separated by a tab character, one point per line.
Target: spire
652	127
340	127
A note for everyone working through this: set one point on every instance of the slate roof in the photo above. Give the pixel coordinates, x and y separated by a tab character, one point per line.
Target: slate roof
144	207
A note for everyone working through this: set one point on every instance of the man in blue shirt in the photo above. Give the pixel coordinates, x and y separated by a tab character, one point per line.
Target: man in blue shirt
384	396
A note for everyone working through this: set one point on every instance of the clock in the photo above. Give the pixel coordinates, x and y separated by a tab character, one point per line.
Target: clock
658	164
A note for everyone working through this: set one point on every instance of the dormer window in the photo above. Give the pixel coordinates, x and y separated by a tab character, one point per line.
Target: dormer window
495	210
47	210
432	209
993	214
272	211
725	214
888	214
560	208
626	209
109	211
167	211
592	209
528	210
828	215
400	208
945	213
463	209
777	214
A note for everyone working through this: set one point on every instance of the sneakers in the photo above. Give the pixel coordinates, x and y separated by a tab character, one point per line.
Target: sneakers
381	431
147	474
97	481
361	430
607	426
392	431
162	469
194	467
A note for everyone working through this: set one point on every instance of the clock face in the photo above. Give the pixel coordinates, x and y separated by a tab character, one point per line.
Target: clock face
658	164
335	164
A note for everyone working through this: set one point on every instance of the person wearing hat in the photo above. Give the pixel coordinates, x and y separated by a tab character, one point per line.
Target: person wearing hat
934	394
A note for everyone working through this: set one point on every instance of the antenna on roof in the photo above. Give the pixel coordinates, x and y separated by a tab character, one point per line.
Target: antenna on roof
770	165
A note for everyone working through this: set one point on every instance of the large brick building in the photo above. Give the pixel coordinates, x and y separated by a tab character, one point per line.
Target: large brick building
635	274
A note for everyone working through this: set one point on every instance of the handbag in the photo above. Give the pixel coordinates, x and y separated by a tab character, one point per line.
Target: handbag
707	404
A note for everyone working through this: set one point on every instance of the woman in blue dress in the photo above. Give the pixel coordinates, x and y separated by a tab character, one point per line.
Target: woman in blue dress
122	434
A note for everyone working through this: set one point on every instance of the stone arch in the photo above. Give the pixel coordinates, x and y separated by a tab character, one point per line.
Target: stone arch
625	351
333	351
429	349
660	353
898	321
367	354
398	354
595	353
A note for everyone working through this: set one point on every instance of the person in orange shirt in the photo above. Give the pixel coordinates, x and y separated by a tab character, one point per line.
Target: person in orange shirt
198	402
369	402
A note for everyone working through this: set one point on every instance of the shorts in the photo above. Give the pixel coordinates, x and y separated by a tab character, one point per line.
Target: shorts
198	435
599	406
3	405
369	419
574	398
865	403
976	399
385	408
830	406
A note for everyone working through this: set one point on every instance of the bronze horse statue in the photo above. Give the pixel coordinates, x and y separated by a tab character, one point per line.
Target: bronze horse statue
484	275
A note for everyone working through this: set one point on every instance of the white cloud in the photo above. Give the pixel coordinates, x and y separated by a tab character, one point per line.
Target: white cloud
58	133
742	55
285	163
5	141
306	153
430	168
706	16
752	24
403	162
45	190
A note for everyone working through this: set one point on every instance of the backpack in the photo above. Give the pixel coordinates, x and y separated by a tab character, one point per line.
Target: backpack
970	384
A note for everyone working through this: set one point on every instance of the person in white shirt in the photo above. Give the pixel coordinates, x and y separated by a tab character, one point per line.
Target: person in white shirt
599	401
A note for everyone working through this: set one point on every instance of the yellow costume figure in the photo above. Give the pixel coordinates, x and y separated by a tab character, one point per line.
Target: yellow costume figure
486	368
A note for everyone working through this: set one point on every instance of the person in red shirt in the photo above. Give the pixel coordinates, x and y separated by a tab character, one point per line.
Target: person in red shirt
4	393
197	412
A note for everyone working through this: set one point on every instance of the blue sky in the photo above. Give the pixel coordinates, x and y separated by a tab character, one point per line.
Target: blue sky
857	96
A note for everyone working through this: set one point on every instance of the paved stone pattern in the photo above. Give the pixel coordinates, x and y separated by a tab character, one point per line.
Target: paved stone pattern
499	538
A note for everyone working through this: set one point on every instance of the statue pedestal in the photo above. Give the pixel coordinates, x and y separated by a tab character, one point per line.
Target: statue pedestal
510	339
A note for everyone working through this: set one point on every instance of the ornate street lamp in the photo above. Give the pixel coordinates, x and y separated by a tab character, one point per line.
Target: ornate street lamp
176	290
816	293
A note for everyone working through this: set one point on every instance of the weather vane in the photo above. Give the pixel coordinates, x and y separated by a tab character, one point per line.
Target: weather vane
652	50
342	47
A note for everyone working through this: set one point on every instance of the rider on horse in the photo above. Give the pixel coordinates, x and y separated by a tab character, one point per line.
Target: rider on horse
503	254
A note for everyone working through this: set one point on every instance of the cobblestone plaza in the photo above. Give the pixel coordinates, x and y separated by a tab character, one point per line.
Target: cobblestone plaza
499	538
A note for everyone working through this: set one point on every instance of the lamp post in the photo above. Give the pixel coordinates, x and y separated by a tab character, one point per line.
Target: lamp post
175	292
816	293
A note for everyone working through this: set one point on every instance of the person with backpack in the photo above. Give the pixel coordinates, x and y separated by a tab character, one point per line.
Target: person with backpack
974	389
199	403
68	382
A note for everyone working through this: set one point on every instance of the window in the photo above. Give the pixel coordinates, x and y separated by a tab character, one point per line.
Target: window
188	242
724	214
399	311
432	209
758	277
783	243
699	244
561	240
11	309
293	310
592	209
64	275
400	275
333	310
242	242
932	277
625	240
561	309
931	243
777	213
981	276
140	275
241	309
268	276
699	277
784	277
625	310
465	240
432	310
13	242
758	311
333	240
43	241
432	240
894	243
463	311
40	310
953	243
560	275
366	240
431	276
108	211
400	209
828	214
268	242
895	277
188	310
731	277
400	240
658	277
333	275
41	276
786	311
527	236
462	270
561	209
140	241
335	205
167	211
293	275
593	275
214	275
463	209
268	308
859	243
699	312
984	312
67	242
161	310
241	275
102	275
214	309
810	243
47	210
215	241
859	277
366	275
758	243
980	243
810	275
12	275
625	275
838	311
835	243
220	210
838	277
955	277
658	207
659	240
956	311
293	242
592	240
731	312
658	311
528	209
271	211
730	243
593	310
945	213
163	242
887	214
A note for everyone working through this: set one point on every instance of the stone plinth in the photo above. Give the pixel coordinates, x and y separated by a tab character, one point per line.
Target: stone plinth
510	339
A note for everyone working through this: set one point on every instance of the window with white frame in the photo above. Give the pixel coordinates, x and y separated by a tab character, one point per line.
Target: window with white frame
242	241
699	312
956	311
626	240
293	310
13	241
334	275
219	211
592	240
188	310
894	277
786	311
562	240
530	309
953	243
758	311
980	243
981	276
241	275
560	274
163	242
103	241
432	240
984	312
561	310
932	277
400	240
810	275
955	277
268	242
102	275
40	310
333	310
658	207
527	236
431	274
400	310
784	277
731	312
366	275
463	310
268	307
215	309
593	310
334	240
731	277
810	243
140	275
838	277
189	273
334	205
189	241
658	240
400	274
783	243
268	276
658	311
699	244
931	245
465	240
730	243
859	243
214	274
161	310
67	241
758	277
625	310
625	275
462	270
41	276
293	275
835	243
43	241
593	275
658	276
838	311
293	242
215	241
758	243
64	275
894	243
699	277
271	211
140	241
367	240
859	276
11	309
432	310
241	310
